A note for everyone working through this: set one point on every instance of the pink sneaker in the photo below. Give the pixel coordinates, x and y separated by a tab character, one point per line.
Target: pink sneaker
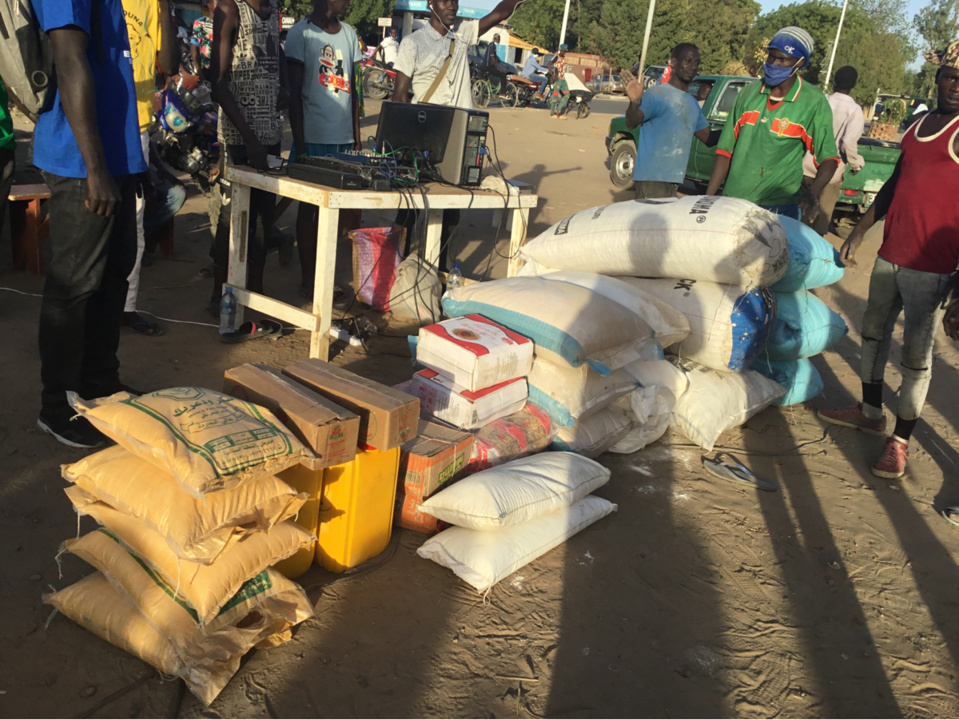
852	417
892	463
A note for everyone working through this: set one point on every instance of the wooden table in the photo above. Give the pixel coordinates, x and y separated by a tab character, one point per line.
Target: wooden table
330	201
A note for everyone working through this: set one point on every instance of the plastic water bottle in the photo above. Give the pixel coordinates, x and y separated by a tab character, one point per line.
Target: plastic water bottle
227	312
454	279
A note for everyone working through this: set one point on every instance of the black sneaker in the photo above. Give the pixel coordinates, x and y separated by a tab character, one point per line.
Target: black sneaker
76	432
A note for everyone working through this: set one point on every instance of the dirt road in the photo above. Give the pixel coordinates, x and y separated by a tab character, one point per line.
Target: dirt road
835	596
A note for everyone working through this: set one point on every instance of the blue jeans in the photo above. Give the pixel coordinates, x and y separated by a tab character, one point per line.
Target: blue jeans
543	81
87	258
169	200
922	295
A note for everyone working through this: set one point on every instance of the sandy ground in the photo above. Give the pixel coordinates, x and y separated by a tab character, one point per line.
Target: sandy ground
835	596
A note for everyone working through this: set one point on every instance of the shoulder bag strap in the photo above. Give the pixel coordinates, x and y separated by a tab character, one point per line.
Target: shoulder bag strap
440	75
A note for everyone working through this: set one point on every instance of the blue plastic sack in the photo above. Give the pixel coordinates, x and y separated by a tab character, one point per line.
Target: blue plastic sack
804	326
813	262
800	378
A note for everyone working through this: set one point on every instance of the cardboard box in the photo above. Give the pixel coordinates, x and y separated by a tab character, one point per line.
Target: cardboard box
437	456
407	515
329	430
474	352
446	401
388	417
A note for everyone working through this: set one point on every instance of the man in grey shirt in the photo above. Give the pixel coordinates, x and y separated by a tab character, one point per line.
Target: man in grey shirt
848	122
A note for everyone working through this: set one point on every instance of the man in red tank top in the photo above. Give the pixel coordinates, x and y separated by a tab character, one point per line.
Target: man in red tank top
919	254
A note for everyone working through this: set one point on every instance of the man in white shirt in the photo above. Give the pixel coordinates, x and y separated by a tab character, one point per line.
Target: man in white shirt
389	48
847	123
424	53
433	62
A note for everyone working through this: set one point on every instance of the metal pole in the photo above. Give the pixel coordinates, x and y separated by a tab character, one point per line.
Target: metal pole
832	55
562	32
649	28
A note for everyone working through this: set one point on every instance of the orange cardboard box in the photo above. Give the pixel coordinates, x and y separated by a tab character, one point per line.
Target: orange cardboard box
408	516
329	430
436	457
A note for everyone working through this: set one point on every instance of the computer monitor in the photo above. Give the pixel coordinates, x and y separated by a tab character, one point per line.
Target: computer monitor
451	140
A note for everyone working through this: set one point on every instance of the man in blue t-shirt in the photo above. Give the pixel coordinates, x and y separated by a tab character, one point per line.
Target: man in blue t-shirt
670	117
88	147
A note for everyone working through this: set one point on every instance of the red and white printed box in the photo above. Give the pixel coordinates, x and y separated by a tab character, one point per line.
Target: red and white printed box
444	400
474	352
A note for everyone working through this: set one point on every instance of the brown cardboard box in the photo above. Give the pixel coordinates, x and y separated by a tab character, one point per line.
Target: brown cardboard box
388	417
330	430
437	456
408	516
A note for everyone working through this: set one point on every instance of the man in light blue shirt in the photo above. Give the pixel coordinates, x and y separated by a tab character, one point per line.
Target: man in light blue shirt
669	117
536	72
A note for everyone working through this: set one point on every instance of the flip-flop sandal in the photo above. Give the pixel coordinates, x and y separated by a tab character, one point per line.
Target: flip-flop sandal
147	328
725	465
951	514
252	331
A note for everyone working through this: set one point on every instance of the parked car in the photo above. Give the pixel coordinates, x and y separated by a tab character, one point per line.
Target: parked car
608	83
858	190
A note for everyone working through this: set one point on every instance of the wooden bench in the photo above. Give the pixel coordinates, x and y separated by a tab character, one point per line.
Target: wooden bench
28	226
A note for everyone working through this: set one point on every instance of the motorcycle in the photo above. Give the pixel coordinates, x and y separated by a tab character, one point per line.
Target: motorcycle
378	80
187	124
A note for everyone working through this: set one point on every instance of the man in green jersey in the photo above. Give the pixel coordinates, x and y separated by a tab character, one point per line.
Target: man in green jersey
772	125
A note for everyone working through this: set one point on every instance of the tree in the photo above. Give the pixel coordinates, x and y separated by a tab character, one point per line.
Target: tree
363	13
540	22
937	25
717	27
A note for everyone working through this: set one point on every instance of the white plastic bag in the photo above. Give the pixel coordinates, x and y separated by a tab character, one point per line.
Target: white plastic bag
668	324
567	393
595	433
484	558
516	492
416	292
717	239
729	326
659	373
652	409
567	323
717	401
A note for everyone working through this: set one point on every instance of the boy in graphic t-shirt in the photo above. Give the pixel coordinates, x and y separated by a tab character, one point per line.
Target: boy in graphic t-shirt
322	56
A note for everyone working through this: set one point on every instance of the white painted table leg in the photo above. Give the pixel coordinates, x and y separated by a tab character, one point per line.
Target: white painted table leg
239	240
434	231
517	240
323	282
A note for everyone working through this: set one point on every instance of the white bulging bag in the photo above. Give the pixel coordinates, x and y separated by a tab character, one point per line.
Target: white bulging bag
659	373
483	558
518	491
567	393
566	322
668	324
717	401
728	326
716	239
595	433
652	409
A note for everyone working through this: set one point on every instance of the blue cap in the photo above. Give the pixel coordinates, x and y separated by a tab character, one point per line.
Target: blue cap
794	41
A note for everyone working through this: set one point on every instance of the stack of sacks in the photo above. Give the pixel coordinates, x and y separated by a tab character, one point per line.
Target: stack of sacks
727	251
585	328
192	518
508	516
475	371
804	325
